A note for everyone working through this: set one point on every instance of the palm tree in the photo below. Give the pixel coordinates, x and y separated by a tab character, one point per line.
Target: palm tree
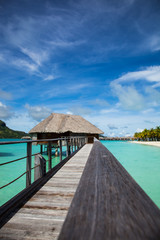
151	135
157	133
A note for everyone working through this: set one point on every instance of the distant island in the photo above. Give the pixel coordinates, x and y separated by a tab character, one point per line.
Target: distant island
6	132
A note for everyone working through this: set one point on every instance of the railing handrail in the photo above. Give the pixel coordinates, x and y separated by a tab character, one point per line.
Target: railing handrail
75	140
42	140
42	174
109	204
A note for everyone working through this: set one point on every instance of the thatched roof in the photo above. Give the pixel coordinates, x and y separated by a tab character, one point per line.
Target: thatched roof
61	123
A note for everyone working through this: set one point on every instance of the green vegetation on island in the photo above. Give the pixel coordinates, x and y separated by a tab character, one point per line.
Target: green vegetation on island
6	132
152	134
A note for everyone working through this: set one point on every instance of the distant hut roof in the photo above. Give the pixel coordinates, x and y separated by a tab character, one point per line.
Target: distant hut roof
61	123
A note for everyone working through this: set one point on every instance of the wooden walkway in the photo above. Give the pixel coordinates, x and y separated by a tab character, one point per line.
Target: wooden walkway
43	215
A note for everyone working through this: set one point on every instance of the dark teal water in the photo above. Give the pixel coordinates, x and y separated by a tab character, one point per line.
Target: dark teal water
142	162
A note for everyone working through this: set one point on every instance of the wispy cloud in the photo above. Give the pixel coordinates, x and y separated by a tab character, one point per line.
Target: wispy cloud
99	102
5	111
109	110
2	59
21	121
38	112
49	78
66	89
112	126
129	97
80	110
154	42
135	96
25	65
78	87
5	95
66	44
149	74
38	57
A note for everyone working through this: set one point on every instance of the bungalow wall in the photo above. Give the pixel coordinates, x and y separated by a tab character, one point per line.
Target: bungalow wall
90	137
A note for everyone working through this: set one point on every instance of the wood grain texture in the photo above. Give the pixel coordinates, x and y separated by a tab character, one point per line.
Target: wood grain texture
43	215
109	204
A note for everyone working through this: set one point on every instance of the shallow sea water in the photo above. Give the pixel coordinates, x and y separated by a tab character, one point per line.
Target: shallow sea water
142	163
11	171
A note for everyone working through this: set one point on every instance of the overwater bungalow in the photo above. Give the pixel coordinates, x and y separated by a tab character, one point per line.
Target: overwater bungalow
65	125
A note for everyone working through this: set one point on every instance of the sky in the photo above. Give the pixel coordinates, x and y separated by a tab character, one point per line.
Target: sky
99	59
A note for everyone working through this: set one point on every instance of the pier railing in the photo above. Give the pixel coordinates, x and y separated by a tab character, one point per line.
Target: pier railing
40	167
109	204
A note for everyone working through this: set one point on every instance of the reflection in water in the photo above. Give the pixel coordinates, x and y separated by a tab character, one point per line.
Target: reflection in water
5	154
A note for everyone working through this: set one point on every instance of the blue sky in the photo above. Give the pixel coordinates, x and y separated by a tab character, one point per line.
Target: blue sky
99	59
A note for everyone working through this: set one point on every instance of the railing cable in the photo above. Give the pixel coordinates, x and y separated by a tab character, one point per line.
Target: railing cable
14	180
1	164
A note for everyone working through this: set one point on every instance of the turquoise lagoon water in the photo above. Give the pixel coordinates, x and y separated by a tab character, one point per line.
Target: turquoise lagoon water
142	162
11	171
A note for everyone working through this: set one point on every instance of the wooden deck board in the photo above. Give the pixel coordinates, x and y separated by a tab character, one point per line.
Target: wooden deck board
43	215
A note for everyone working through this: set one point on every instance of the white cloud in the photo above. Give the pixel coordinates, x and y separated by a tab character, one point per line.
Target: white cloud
131	121
99	102
78	110
149	110
5	111
154	42
21	122
36	56
2	59
38	112
149	74
154	96
5	95
65	43
49	78
139	129
129	97
26	65
68	112
112	126
111	110
77	87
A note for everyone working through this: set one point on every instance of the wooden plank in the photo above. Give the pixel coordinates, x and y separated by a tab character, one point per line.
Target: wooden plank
43	215
109	204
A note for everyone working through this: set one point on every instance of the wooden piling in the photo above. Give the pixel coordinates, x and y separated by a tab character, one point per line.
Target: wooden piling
40	167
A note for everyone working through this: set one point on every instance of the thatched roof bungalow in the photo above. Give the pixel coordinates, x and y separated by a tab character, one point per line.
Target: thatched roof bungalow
63	125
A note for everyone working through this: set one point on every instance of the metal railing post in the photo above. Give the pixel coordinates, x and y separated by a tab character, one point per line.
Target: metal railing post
72	144
28	165
60	149
77	143
66	147
41	150
49	156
